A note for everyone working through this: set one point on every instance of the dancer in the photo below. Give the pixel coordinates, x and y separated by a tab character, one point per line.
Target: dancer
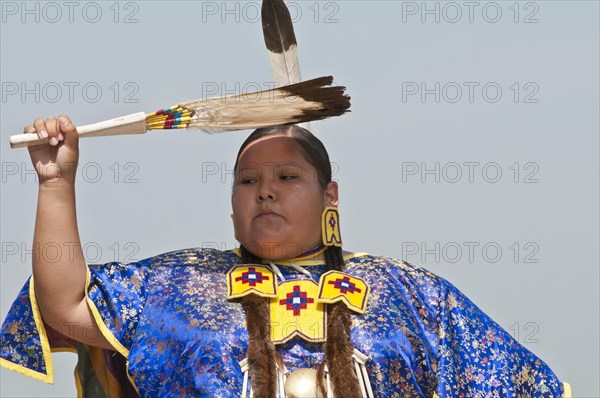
289	313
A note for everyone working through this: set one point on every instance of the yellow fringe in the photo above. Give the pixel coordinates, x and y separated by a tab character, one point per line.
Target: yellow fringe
567	388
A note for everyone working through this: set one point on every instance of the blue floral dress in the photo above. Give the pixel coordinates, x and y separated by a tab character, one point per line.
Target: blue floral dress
176	334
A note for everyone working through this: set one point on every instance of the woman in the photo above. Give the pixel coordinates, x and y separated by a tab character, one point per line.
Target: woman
215	323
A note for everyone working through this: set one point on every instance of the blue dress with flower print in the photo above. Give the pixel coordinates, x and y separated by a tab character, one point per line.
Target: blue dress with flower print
176	334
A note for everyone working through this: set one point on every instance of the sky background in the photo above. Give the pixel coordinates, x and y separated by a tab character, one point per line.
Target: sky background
471	148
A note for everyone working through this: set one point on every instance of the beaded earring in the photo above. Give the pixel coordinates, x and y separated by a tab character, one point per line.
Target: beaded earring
330	227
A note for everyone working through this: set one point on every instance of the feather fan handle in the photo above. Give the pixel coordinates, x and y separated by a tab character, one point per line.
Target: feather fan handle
301	102
280	40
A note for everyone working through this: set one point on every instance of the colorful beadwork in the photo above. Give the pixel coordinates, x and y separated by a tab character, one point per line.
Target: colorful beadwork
339	286
174	117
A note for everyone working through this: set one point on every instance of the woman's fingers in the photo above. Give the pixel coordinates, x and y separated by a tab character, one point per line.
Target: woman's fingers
53	130
29	129
40	128
68	130
49	129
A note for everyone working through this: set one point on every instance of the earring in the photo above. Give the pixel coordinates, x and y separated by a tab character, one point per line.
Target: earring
330	227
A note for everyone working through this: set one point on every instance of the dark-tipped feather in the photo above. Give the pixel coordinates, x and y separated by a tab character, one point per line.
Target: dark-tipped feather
296	103
334	101
280	40
277	26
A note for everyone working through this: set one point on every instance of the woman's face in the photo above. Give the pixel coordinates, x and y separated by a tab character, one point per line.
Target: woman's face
277	200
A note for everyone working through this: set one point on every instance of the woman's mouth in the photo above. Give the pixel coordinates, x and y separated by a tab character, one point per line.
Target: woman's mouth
266	215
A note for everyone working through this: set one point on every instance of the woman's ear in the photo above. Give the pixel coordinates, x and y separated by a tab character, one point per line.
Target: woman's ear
330	196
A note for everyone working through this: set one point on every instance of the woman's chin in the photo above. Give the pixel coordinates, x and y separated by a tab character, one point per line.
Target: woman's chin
273	248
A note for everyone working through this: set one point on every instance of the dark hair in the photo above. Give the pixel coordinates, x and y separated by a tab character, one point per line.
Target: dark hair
262	355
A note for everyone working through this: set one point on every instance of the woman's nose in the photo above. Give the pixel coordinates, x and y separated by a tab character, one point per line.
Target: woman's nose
265	196
266	192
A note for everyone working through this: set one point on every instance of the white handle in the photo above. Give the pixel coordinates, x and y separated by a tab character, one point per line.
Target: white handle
130	124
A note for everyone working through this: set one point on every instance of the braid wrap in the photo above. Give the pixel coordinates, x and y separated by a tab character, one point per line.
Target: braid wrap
338	347
262	355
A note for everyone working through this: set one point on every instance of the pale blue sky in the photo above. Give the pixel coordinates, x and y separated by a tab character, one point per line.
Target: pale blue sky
418	177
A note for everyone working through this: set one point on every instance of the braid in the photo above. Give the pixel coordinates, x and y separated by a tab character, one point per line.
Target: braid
334	259
262	355
338	347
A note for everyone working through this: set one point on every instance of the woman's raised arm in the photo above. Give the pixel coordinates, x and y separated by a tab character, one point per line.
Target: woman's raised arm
59	268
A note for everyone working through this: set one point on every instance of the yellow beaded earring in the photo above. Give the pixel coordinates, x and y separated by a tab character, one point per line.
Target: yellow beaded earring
330	227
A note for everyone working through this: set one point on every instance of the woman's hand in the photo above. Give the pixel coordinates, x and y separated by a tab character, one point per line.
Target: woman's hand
56	160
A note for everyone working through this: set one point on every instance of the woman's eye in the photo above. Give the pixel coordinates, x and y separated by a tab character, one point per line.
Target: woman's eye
248	181
288	177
